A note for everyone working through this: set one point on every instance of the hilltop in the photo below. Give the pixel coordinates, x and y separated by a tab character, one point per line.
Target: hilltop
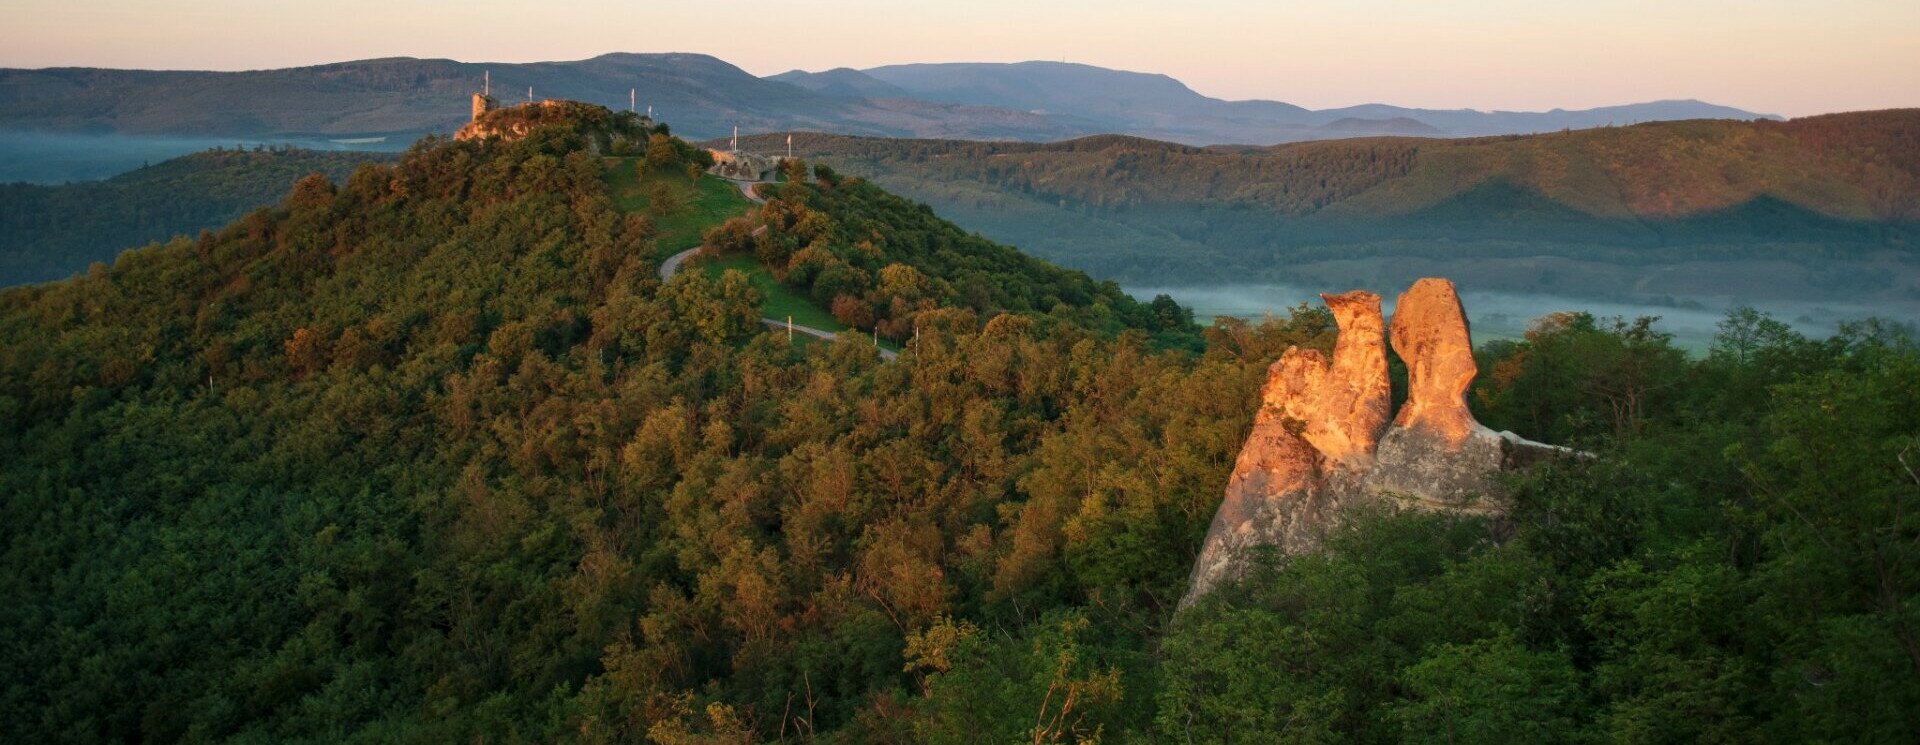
1830	202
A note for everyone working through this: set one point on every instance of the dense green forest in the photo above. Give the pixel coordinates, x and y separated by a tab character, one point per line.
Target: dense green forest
431	454
48	232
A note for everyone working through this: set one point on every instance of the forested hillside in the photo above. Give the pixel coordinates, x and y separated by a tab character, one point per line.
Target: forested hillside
432	454
1832	200
47	232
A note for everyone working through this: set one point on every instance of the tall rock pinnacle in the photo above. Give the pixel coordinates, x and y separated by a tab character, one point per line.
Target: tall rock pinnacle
1430	335
1318	447
1314	419
1353	403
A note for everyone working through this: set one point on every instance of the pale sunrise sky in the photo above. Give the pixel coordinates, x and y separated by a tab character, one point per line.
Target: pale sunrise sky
1773	56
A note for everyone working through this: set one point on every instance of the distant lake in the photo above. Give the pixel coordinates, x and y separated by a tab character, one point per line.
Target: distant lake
1505	315
58	158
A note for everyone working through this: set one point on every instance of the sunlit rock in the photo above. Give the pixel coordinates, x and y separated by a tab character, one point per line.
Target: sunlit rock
1317	448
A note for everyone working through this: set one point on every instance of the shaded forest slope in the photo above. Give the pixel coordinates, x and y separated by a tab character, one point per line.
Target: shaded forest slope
48	232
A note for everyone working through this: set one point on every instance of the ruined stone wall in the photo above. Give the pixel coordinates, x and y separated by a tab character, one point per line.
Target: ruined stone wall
741	166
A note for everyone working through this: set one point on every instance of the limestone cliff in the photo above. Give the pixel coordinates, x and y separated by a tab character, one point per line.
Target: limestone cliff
1321	443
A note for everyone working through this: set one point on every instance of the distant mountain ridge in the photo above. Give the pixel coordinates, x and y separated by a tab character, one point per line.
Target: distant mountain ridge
703	96
697	94
1161	107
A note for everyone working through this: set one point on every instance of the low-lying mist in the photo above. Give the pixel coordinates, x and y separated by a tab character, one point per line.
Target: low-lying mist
1506	315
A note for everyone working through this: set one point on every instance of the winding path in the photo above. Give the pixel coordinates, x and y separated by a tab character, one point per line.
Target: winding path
672	265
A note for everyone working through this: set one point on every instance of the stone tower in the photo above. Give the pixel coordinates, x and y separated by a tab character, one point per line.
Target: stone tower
483	101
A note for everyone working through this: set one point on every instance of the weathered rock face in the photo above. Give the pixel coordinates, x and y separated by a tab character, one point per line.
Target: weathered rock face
1436	451
1430	335
1352	403
1318	448
1315	419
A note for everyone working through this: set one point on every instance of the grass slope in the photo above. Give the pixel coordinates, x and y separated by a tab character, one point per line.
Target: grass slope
696	205
780	301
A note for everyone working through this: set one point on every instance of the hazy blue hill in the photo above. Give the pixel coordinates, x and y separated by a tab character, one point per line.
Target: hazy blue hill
393	95
1162	107
1399	126
1095	93
1471	123
703	96
844	82
695	93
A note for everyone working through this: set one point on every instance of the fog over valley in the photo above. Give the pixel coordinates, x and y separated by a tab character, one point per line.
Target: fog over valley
1693	322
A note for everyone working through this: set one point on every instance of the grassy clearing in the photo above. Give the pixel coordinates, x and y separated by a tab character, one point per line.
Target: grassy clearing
698	205
780	300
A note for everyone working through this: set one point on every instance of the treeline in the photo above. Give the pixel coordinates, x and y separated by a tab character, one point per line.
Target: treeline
1854	166
47	232
431	454
1116	172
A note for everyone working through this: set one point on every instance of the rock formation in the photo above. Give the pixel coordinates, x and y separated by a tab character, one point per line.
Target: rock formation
1318	445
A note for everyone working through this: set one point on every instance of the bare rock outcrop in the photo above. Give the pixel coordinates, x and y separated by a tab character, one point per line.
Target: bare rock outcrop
1321	442
1351	403
1436	451
1315	420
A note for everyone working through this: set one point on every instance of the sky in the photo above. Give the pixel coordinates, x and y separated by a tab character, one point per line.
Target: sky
1784	57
